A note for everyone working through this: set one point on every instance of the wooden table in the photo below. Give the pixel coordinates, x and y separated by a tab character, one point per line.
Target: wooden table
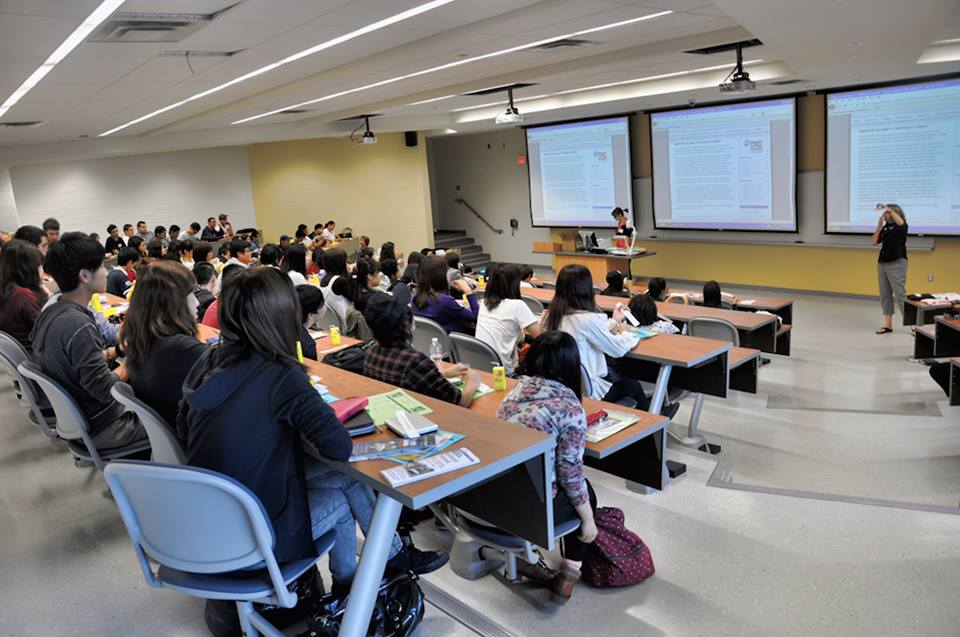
920	313
938	340
781	306
323	344
510	487
635	454
955	381
598	264
757	331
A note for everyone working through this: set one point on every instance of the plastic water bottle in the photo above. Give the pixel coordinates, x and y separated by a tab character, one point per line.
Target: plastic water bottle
436	351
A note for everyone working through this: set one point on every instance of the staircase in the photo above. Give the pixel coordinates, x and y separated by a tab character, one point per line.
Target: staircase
470	253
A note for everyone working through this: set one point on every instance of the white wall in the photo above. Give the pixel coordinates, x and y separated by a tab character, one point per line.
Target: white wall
161	189
8	206
483	170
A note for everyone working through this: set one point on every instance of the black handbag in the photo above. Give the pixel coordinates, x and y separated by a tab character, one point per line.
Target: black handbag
349	358
397	612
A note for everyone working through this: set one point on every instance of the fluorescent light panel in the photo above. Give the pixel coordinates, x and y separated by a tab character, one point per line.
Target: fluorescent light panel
451	65
370	28
433	99
650	78
91	22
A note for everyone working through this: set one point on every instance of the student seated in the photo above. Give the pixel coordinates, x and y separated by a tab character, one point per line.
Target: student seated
246	404
335	261
433	300
644	309
365	280
548	398
657	289
295	264
211	316
311	307
204	275
68	345
185	250
271	256
615	285
526	276
409	275
119	279
22	294
504	319
158	337
34	235
156	249
453	268
391	283
713	297
574	310
316	265
393	360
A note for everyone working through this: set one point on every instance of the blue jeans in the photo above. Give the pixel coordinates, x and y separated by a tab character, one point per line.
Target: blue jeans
336	501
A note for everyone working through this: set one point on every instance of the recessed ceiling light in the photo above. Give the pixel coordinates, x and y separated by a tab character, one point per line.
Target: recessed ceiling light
947	41
451	65
370	28
91	22
433	99
852	44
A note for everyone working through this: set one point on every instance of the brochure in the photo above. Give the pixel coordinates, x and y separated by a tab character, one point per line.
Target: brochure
614	422
386	405
430	467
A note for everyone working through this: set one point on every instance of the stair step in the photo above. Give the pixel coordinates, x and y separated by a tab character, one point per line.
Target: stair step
442	234
476	259
470	249
452	242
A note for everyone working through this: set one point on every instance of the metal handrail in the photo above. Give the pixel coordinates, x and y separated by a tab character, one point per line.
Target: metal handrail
479	216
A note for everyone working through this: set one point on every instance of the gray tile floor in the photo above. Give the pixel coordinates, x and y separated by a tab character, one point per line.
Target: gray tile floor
846	415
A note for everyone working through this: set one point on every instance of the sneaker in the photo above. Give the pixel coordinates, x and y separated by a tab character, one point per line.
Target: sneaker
417	561
670	410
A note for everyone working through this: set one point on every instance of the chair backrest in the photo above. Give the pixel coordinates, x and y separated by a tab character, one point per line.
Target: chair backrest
473	352
585	382
192	520
718	329
330	317
550	285
12	354
164	446
677	298
535	305
424	331
726	305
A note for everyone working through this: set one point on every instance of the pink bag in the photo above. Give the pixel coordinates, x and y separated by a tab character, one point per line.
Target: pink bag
618	557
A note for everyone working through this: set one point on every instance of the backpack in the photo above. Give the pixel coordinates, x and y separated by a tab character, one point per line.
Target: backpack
618	557
349	358
397	612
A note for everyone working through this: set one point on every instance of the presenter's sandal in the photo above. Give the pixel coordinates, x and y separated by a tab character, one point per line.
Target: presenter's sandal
884	330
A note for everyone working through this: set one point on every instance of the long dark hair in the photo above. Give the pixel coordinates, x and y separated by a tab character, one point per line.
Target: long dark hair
554	356
20	265
259	312
201	251
335	261
644	309
365	269
318	259
387	251
310	299
574	293
431	280
157	310
711	294
504	283
656	287
296	259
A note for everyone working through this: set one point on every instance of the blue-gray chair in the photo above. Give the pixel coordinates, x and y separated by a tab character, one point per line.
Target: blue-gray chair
471	351
424	331
72	425
41	412
535	305
164	446
210	536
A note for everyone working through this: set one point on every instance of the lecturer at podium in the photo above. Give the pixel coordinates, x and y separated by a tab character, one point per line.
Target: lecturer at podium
891	234
624	225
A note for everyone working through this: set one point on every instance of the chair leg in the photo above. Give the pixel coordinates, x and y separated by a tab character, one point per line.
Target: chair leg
693	439
510	572
259	622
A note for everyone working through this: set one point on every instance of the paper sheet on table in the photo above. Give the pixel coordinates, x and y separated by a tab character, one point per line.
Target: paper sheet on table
482	390
747	302
386	405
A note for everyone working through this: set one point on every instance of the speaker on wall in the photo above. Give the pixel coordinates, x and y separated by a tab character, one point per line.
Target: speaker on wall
410	138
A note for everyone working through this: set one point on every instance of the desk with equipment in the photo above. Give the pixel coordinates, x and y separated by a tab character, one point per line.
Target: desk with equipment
938	340
918	310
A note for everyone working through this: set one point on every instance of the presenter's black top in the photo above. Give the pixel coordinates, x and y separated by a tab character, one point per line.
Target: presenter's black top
893	242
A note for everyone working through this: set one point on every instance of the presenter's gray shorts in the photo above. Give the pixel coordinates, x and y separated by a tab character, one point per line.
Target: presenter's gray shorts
893	285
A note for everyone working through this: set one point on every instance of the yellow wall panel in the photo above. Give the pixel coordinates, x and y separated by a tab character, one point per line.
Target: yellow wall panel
381	190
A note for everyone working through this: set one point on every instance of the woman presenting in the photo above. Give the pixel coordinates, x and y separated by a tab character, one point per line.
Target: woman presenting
624	225
891	234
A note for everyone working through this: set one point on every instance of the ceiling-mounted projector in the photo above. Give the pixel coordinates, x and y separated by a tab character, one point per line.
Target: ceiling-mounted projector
738	81
367	138
511	115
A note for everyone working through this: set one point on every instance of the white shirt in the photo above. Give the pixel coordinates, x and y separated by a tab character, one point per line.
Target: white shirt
328	235
502	328
188	265
339	304
594	339
231	261
297	278
524	284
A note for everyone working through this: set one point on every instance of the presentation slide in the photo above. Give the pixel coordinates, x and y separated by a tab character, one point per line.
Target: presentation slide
579	172
728	167
899	144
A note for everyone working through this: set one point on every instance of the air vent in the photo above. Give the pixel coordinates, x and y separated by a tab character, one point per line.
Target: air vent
150	27
725	48
293	111
198	54
566	43
785	82
354	118
33	124
500	89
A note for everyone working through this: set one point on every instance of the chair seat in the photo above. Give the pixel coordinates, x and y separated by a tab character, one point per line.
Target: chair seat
78	449
244	584
507	540
48	417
